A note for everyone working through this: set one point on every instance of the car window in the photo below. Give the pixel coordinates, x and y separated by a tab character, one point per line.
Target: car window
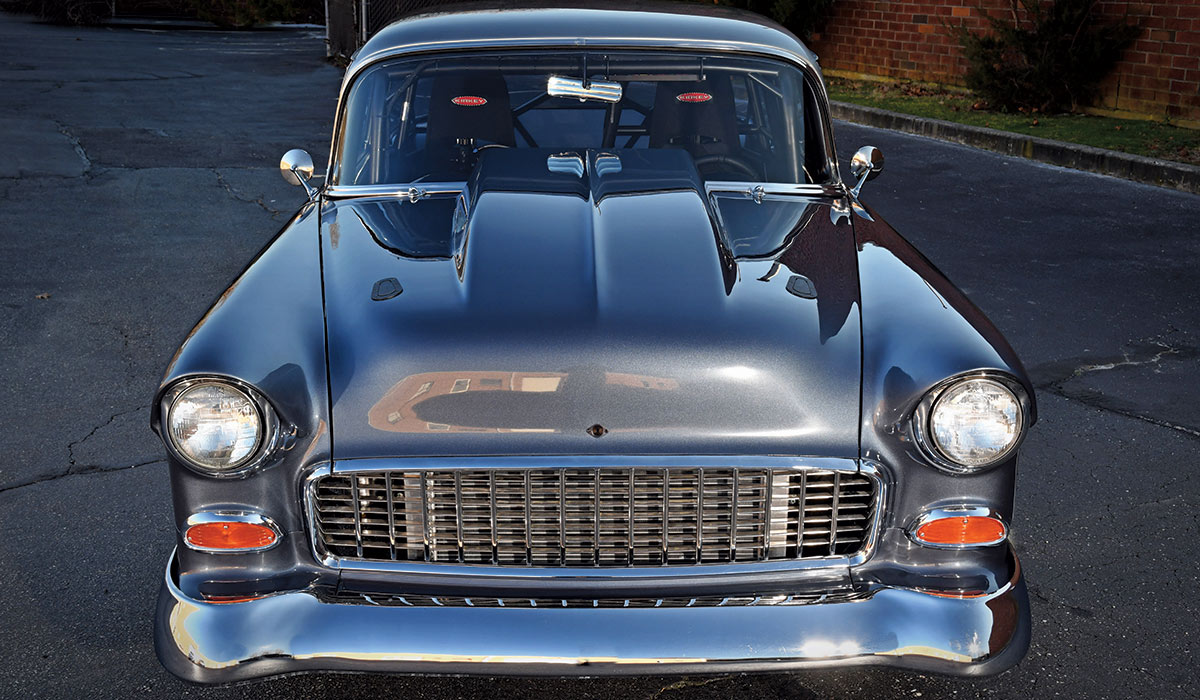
428	119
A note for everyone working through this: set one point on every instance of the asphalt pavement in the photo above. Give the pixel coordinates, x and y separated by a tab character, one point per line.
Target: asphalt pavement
138	175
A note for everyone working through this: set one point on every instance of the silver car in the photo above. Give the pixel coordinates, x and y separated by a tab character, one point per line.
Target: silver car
583	359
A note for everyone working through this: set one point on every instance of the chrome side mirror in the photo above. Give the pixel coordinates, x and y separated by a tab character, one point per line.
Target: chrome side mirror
296	166
866	164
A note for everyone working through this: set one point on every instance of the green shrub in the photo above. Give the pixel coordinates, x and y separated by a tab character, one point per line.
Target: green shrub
1049	57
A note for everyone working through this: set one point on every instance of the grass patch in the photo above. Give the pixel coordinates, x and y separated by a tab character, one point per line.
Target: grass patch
1144	138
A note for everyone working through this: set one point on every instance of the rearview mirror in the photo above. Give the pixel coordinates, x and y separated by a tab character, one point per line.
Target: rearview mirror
599	90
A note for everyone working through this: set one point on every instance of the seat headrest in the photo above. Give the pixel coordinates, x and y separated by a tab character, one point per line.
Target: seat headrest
471	105
697	115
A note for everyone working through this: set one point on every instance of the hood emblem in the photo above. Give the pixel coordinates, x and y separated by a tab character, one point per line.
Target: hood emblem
693	97
469	101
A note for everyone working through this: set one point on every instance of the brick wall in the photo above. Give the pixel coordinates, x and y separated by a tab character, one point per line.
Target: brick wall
1159	76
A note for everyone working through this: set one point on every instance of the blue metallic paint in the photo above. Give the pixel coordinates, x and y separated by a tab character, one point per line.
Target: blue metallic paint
592	293
657	318
919	330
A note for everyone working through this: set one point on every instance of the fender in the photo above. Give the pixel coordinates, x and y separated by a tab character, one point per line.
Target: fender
274	307
918	331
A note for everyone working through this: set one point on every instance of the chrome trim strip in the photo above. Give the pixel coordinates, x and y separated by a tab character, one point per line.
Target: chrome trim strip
595	520
804	464
803	500
562	517
632	515
833	513
733	519
666	515
965	510
458	513
758	190
528	518
700	510
206	517
417	600
492	504
391	506
364	61
372	464
413	191
426	536
770	495
357	519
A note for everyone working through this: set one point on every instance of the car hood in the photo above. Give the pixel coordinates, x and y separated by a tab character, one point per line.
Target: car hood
551	313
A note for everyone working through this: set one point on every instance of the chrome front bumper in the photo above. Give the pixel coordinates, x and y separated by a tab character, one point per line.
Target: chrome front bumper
296	632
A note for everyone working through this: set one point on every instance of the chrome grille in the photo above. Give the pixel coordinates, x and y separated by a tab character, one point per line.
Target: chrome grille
594	517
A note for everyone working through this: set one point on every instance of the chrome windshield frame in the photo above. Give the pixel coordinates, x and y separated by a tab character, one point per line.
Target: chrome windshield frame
801	62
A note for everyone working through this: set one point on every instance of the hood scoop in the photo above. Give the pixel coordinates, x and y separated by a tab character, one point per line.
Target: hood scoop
588	173
573	236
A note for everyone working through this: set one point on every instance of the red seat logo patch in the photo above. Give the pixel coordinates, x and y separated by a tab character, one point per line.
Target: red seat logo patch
694	97
469	101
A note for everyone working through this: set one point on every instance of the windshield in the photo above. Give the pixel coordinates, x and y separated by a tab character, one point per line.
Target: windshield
429	119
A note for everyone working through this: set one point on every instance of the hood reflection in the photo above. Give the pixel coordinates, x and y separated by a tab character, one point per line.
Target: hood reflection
491	402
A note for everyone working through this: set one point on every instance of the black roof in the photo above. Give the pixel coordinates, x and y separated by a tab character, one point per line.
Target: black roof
510	24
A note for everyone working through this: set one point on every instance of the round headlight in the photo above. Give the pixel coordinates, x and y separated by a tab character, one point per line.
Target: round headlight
215	426
976	422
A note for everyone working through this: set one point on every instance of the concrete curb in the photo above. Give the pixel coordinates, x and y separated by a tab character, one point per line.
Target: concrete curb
1153	171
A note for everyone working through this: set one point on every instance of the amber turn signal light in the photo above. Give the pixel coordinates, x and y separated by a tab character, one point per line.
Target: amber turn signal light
961	531
952	594
224	599
230	535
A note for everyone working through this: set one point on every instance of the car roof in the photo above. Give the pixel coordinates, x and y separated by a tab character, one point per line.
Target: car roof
533	24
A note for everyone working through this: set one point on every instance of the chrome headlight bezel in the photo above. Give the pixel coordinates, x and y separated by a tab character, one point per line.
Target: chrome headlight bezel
269	427
923	416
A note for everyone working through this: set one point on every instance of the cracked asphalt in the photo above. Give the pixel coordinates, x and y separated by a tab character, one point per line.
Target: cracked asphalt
138	175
